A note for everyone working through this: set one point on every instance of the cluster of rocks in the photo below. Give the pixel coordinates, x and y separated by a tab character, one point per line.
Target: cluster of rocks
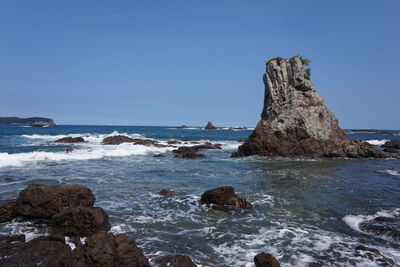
295	120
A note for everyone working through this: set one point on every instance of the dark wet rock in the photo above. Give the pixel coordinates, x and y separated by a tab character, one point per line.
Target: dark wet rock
106	249
392	144
159	155
390	150
7	242
224	198
69	150
210	126
295	120
242	140
383	227
43	251
194	142
42	201
175	261
182	127
81	221
189	155
207	145
173	142
166	193
70	140
265	260
119	139
373	255
7	210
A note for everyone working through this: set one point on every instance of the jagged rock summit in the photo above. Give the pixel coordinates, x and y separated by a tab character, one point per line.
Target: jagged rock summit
295	120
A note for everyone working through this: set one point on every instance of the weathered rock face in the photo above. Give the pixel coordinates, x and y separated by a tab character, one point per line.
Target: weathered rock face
210	126
224	198
7	210
81	221
70	140
42	201
105	249
392	144
175	261
295	120
266	260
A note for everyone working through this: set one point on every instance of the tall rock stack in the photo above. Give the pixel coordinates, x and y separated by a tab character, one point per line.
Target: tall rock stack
295	120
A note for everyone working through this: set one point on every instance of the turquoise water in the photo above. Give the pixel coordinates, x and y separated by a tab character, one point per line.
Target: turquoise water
306	212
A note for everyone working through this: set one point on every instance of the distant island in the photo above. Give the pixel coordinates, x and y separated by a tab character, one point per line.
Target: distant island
34	121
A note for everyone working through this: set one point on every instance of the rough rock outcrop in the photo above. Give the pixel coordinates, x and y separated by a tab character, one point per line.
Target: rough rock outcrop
81	221
392	144
224	198
70	140
373	255
7	210
166	193
295	120
210	126
106	249
119	139
175	261
43	201
266	260
383	226
181	127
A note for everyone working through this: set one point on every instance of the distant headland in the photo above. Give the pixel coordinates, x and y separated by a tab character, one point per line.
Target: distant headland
33	121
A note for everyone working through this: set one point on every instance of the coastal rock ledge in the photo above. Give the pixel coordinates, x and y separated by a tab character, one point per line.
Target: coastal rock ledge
295	120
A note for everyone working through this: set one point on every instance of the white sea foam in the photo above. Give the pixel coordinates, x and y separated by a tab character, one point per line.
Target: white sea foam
354	221
376	142
123	150
389	171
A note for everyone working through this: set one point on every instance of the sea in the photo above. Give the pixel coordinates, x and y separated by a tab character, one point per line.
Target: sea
306	212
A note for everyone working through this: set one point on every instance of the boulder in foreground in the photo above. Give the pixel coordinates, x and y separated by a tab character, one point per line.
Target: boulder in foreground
43	201
175	261
225	199
266	260
295	120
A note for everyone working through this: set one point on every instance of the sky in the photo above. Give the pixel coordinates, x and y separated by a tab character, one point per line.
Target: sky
188	62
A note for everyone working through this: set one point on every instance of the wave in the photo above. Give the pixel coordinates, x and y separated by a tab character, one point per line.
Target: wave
123	150
376	142
354	221
389	171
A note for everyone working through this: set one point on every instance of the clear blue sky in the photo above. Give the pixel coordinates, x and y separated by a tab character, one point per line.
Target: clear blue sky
188	62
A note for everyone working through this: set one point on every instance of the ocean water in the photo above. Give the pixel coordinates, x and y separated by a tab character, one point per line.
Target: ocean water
306	212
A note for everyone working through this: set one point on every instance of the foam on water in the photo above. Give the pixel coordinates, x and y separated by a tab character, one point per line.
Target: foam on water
354	221
376	142
389	171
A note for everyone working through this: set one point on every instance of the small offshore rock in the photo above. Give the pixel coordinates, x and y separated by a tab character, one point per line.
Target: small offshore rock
106	249
394	144
117	139
7	210
224	198
383	226
265	260
70	140
210	126
182	127
373	255
43	201
166	193
159	155
175	261
81	221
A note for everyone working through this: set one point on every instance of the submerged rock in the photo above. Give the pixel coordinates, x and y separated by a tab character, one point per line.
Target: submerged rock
81	221
224	198
166	193
43	201
383	227
373	255
210	126
295	120
7	210
175	261
70	140
159	155
266	260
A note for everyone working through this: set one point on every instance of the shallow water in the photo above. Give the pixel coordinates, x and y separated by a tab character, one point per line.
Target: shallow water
306	212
